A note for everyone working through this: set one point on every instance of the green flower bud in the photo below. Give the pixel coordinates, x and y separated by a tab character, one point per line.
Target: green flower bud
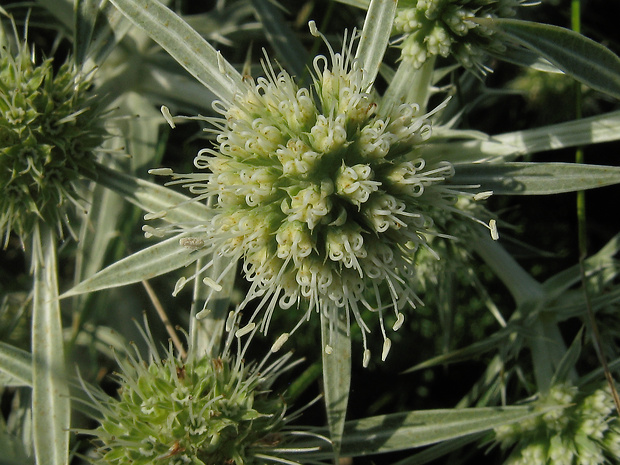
49	130
198	411
432	28
585	431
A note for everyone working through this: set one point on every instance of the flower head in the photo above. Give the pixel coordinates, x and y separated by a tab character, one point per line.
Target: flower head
321	192
432	28
201	411
584	432
48	132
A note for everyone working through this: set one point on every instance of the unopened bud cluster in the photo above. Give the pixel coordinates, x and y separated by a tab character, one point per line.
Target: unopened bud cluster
48	131
585	432
444	27
202	412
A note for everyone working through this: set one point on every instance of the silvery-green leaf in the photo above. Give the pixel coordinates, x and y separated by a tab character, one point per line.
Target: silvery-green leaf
51	404
153	198
603	259
523	57
524	178
584	59
585	131
375	37
184	44
336	354
386	433
62	10
158	259
86	12
16	364
363	4
287	46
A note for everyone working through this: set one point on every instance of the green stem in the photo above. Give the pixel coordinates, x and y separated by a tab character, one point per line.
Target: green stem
581	228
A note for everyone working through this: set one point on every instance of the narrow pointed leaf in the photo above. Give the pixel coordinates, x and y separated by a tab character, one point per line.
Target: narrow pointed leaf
86	12
148	263
363	4
51	404
585	131
375	37
62	10
401	431
584	59
153	198
184	44
336	376
287	46
522	178
16	364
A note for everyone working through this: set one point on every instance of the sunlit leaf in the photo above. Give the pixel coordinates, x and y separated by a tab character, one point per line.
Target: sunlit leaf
401	431
523	178
16	364
336	353
51	404
158	259
375	37
587	61
184	44
153	198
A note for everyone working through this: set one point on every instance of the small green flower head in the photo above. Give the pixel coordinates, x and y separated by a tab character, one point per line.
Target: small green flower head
585	432
322	193
48	132
199	411
432	28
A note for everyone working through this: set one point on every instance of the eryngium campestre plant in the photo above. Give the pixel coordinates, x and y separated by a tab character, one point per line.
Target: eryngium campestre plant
322	193
431	28
49	129
585	432
201	411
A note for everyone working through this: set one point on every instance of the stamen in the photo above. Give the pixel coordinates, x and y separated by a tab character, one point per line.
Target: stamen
279	342
167	116
245	330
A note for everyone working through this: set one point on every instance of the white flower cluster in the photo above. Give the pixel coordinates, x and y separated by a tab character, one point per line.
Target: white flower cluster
322	199
432	28
585	432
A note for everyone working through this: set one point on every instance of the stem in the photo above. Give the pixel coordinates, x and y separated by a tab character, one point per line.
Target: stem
581	229
164	318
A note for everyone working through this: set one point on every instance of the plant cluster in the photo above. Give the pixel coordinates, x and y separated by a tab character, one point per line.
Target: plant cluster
343	201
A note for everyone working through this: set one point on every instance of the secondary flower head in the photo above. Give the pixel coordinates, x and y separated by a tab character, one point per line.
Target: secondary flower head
585	432
321	192
201	411
48	132
432	28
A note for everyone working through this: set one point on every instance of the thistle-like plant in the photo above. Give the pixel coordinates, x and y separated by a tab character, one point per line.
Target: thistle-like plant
322	193
49	133
585	431
433	28
200	410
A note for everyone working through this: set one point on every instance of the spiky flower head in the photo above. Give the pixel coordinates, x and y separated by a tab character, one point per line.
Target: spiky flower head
431	28
48	132
585	432
201	411
322	193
